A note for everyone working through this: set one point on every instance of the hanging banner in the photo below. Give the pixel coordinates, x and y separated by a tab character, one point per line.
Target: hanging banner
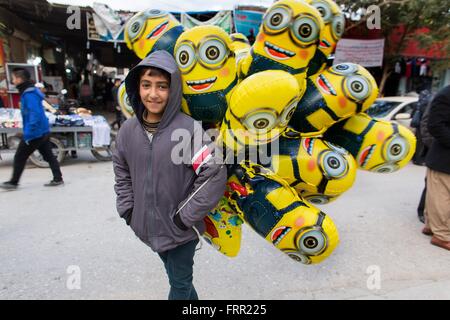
105	24
247	22
367	53
222	19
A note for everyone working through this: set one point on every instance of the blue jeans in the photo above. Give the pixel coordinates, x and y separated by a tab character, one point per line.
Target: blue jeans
179	264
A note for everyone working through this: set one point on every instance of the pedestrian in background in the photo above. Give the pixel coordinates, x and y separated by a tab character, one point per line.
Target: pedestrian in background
437	204
36	131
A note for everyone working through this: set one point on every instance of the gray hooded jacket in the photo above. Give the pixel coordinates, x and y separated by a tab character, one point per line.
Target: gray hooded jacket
150	185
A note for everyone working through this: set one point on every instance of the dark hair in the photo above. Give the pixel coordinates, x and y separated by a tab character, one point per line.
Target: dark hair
22	74
154	72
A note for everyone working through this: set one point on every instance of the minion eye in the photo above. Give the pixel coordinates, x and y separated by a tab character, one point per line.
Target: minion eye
324	10
306	29
277	19
318	199
388	168
260	122
135	27
312	242
185	56
155	13
344	68
299	257
358	87
288	113
213	51
397	149
334	165
338	26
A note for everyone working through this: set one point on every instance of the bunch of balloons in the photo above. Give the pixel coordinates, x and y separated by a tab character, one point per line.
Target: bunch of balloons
281	91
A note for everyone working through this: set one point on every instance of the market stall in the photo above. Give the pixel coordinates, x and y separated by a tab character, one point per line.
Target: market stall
69	133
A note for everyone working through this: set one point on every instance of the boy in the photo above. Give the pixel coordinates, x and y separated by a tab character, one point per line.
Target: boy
159	197
36	131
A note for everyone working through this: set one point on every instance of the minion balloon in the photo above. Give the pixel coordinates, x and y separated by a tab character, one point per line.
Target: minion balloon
318	170
332	32
125	106
257	113
378	146
333	95
276	212
152	30
208	71
287	40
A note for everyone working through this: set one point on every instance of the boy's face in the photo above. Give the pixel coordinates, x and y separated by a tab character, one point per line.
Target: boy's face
16	80
154	93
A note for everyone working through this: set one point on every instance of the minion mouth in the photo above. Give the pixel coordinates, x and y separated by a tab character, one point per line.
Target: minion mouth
201	85
365	156
325	85
277	52
324	44
308	144
278	234
158	30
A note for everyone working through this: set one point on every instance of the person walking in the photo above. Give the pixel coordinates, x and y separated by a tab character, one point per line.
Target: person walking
437	203
163	194
36	131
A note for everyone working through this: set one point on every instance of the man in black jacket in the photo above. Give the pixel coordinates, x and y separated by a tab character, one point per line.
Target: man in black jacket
437	205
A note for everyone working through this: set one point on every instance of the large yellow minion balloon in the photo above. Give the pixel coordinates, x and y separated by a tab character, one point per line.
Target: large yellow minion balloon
208	72
125	106
152	30
333	95
318	170
260	108
334	21
276	212
287	40
378	146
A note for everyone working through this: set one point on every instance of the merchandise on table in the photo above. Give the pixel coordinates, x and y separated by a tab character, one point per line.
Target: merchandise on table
10	118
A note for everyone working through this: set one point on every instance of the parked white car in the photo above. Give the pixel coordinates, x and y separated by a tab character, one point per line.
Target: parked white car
398	109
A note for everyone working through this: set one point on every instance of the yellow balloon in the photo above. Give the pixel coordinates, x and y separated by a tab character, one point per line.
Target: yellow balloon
378	146
333	95
260	108
223	229
124	102
334	26
277	213
287	40
318	170
152	30
208	70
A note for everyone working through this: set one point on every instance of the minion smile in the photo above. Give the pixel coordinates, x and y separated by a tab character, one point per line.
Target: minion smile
365	156
324	44
308	144
278	234
158	30
325	85
277	52
201	85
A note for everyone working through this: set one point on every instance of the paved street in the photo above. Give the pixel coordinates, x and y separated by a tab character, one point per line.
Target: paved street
45	231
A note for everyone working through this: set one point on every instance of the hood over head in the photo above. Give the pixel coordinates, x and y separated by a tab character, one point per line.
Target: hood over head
163	60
